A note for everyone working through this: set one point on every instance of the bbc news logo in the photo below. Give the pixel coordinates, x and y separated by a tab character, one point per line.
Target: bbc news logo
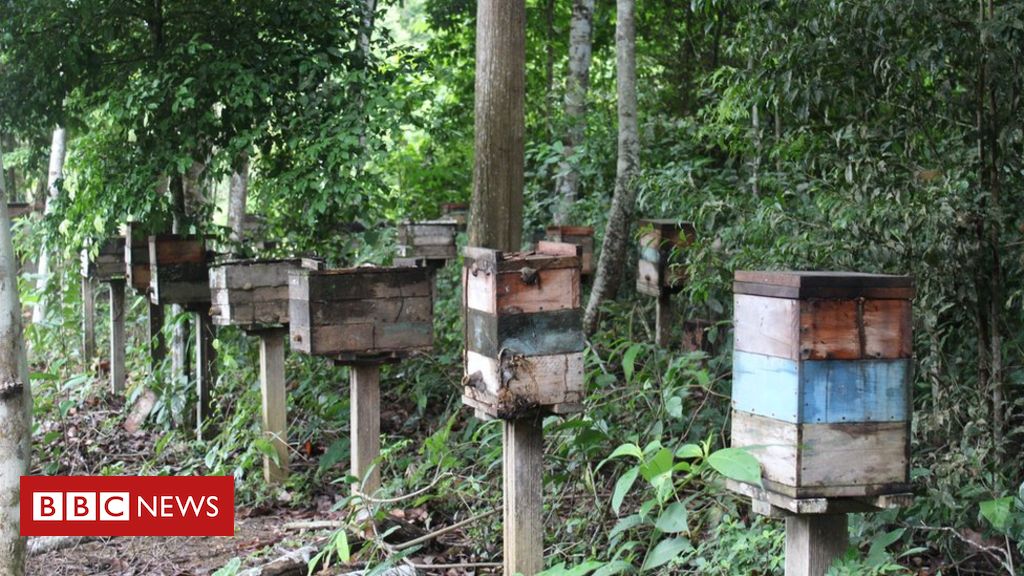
127	506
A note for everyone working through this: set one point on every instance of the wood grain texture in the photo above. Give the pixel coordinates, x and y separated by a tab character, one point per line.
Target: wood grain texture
819	329
108	263
118	376
814	542
136	258
88	321
251	293
275	405
805	284
539	334
517	384
523	472
826	460
179	273
553	289
821	391
364	405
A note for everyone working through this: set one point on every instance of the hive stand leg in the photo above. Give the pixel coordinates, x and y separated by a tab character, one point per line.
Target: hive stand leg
365	423
117	371
275	412
663	320
88	322
523	470
157	340
813	542
206	373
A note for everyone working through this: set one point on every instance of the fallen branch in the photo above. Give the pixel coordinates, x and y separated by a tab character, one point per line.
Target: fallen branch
44	544
294	562
442	531
314	525
466	566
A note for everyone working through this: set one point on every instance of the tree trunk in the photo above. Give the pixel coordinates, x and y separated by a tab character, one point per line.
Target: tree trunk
496	210
237	197
576	87
15	400
616	235
58	149
365	34
180	331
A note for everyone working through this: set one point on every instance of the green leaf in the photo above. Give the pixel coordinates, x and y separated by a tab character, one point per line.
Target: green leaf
341	547
229	569
687	451
627	523
628	449
657	465
581	570
622	487
665	552
736	464
612	568
629	361
997	512
877	554
674	407
673	520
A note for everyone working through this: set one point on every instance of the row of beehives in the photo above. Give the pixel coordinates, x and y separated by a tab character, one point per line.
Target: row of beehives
821	363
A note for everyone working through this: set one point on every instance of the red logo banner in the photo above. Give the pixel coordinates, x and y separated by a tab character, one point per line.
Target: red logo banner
127	506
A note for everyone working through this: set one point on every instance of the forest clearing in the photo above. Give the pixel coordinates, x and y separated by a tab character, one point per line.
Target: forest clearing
538	287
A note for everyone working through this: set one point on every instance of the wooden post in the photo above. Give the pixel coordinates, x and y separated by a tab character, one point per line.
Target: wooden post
275	411
88	321
813	542
206	372
365	423
117	371
157	340
663	320
523	471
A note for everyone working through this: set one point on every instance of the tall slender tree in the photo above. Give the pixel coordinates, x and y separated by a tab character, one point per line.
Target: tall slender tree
15	400
576	87
616	234
58	151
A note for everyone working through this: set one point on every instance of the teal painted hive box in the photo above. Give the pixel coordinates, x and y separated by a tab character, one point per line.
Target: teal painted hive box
821	381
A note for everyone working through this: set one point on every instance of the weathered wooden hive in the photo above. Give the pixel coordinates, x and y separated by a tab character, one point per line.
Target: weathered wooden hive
583	236
252	294
179	270
524	338
361	314
432	240
108	264
456	211
659	240
821	381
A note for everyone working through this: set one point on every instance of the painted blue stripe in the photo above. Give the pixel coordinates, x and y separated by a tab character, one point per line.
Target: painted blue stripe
765	385
821	391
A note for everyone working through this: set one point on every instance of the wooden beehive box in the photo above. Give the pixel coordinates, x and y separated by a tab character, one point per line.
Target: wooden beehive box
252	294
352	314
108	264
583	236
431	240
822	381
659	240
179	270
456	211
524	338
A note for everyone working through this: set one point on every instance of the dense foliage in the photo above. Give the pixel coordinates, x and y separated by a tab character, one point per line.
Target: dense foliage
863	135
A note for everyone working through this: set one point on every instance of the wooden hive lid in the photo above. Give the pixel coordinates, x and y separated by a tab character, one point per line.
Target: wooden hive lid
548	255
572	230
823	284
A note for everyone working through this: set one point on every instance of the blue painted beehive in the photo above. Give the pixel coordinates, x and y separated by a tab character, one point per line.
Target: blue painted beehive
821	381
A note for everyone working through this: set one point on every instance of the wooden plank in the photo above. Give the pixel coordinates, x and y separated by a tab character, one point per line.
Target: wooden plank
479	290
206	374
768	326
366	338
550	290
539	334
523	472
275	411
252	274
816	284
365	427
648	279
166	249
561	249
766	386
854	454
524	382
117	337
774	443
814	542
429	252
88	321
821	391
888	331
857	391
359	283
